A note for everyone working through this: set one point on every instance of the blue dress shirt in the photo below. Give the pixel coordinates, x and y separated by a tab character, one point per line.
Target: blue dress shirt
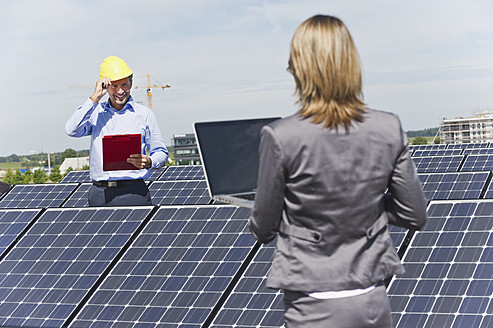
100	119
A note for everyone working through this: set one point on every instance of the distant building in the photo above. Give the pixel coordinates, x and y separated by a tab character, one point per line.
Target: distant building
77	163
477	128
186	150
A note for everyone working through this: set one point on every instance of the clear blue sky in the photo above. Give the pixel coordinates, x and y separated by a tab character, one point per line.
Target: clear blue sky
225	59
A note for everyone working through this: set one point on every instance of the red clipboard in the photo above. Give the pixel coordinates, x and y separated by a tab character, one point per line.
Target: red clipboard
116	150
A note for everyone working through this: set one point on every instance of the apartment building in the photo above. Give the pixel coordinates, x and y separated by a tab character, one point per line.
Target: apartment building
477	128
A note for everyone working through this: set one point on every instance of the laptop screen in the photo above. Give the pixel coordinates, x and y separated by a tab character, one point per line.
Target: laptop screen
229	153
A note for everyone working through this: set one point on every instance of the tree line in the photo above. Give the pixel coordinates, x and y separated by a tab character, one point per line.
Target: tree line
430	132
39	162
42	158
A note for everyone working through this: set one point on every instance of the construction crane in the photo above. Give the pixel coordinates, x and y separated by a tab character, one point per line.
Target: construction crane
148	88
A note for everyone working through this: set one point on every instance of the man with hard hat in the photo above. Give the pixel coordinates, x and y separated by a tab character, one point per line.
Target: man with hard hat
120	115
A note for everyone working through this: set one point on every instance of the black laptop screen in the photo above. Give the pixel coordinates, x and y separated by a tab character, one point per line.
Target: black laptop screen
229	152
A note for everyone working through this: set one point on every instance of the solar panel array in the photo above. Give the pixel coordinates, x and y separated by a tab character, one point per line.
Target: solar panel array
449	266
454	185
37	195
187	262
176	270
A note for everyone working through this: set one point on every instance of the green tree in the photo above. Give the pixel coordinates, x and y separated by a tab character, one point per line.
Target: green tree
13	158
40	176
14	177
28	176
55	175
437	140
420	141
69	152
9	177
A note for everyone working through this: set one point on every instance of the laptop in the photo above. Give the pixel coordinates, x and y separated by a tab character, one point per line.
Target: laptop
229	154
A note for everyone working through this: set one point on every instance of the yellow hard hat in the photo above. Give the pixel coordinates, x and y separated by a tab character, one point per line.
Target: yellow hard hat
114	68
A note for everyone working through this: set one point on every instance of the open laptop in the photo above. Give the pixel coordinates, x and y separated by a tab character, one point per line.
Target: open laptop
229	154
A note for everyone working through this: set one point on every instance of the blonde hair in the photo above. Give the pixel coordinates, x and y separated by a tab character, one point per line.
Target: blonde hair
326	67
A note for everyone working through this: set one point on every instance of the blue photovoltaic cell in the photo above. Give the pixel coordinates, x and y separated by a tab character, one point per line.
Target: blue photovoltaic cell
489	190
251	304
437	152
156	173
192	192
398	235
468	145
478	163
12	223
54	265
80	196
427	147
77	177
37	195
458	185
183	172
175	271
478	151
435	164
449	269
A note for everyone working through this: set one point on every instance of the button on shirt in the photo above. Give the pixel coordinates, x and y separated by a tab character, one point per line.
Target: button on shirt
100	119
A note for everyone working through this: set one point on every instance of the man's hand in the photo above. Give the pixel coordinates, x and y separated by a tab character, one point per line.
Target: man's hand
101	89
140	161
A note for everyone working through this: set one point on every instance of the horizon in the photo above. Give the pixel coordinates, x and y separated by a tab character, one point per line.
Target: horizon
167	146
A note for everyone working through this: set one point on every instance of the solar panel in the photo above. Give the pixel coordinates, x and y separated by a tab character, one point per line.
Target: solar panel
457	185
156	173
184	192
468	145
433	164
175	272
478	151
77	177
437	152
489	191
12	223
183	172
449	269
398	236
55	264
427	147
80	196
37	195
478	163
251	304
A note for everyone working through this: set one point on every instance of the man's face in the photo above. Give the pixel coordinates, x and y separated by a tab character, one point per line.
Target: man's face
119	92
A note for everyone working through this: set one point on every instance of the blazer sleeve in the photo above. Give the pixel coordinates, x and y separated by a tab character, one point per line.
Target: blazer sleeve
269	200
405	203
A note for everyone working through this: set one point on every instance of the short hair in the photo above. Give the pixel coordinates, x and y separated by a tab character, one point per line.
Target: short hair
326	67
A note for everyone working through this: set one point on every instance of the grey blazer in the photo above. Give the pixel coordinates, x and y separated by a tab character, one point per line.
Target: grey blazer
322	192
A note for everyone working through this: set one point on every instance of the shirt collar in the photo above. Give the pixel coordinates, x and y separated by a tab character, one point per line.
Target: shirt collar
130	105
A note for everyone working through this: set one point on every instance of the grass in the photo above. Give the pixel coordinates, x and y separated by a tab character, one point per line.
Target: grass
11	165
